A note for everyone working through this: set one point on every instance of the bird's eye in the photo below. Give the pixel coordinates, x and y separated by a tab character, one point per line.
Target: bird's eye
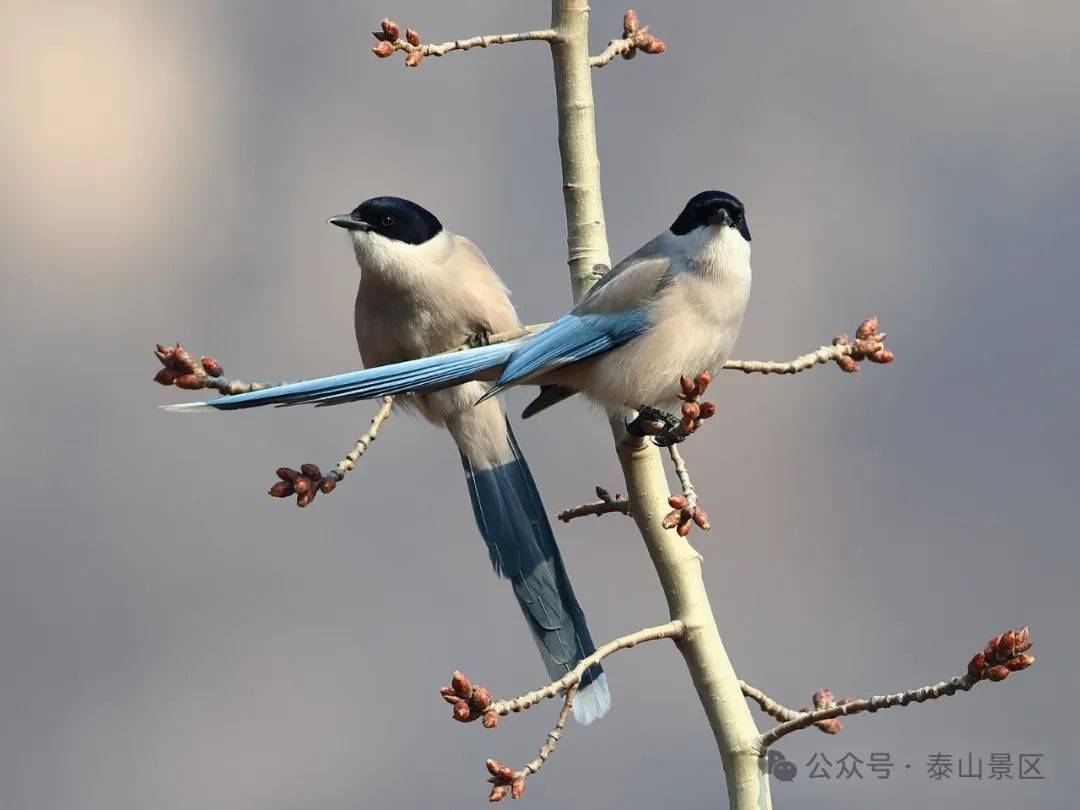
387	221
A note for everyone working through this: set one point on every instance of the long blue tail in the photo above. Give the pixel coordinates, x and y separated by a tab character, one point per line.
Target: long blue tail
522	547
412	376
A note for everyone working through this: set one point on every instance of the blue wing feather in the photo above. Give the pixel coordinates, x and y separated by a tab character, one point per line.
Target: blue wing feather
572	338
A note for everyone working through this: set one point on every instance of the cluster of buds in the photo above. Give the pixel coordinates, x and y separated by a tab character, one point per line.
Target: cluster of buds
693	410
305	483
823	699
504	780
182	369
469	702
639	37
683	515
390	40
1003	654
869	344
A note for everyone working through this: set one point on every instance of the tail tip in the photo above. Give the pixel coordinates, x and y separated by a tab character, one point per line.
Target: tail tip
592	701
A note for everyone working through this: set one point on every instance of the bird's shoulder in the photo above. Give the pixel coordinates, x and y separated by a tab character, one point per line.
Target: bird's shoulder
633	282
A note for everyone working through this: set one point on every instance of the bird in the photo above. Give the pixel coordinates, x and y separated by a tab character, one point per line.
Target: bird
672	308
423	290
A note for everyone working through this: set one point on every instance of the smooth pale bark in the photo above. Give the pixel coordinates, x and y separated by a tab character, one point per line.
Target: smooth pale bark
677	564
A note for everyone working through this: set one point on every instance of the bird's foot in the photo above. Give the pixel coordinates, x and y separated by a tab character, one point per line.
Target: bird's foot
652	422
305	483
478	339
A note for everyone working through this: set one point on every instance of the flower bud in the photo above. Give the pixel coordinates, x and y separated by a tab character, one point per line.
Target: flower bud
998	673
847	364
414	59
312	471
303	500
691	410
165	376
497	793
461	684
390	29
328	484
383	49
461	711
491	719
688	387
702	381
1022	661
652	45
867	328
449	695
188	381
671	519
830	726
708	410
700	518
677	501
824	699
976	666
480	698
629	23
287	473
412	37
282	489
493	766
302	485
211	366
517	787
684	528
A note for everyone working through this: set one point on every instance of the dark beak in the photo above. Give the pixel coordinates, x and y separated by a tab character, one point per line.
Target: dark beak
744	229
349	223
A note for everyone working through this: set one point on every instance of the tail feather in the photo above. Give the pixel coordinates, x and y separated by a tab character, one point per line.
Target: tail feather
521	544
412	376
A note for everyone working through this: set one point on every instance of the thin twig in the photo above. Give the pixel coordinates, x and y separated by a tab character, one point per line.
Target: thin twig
553	735
348	464
391	40
673	630
768	705
621	507
921	695
607	504
616	47
1002	655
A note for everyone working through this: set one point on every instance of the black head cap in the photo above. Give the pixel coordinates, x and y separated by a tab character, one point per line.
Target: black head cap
392	217
712	208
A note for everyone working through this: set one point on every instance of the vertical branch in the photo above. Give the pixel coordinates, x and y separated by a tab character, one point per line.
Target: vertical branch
677	564
586	233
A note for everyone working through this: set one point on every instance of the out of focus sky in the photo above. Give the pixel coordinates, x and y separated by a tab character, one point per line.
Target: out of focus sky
170	637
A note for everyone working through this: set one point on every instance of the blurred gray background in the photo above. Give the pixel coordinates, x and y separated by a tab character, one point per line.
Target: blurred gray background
173	638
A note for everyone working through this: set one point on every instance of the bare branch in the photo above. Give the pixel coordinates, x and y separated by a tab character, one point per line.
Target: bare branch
391	40
505	781
471	702
685	511
492	711
869	344
768	705
309	480
634	38
180	368
348	464
607	504
1003	654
